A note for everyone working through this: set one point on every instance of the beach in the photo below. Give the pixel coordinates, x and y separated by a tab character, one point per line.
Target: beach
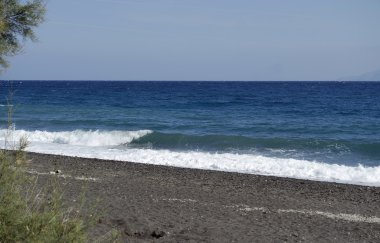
154	203
189	121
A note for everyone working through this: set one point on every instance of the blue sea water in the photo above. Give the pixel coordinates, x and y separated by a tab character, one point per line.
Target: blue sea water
328	123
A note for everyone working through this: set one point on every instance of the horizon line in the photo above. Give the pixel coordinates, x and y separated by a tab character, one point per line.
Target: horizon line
157	80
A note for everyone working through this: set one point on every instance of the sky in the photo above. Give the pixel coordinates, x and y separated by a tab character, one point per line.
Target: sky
202	40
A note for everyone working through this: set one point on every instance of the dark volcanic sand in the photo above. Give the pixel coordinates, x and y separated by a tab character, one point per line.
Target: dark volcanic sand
164	204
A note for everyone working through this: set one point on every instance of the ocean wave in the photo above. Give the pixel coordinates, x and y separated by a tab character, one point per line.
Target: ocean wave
158	140
77	137
121	145
221	143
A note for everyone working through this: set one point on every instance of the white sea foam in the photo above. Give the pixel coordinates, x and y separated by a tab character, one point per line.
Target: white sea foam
82	144
78	137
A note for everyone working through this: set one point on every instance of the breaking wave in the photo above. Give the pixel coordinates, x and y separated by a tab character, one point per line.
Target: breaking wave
130	146
78	137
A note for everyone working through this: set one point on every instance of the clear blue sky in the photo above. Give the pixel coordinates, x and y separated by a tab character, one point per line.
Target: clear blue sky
202	40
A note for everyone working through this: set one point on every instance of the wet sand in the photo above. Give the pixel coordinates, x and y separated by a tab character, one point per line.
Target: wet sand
150	203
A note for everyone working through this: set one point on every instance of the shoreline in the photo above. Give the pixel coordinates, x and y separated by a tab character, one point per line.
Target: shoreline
171	204
356	174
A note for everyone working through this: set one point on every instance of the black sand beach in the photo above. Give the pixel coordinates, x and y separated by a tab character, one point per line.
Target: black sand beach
164	204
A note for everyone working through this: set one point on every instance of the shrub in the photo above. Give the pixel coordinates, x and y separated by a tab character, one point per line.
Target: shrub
29	215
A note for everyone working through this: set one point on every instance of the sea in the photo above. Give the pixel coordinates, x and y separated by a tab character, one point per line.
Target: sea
324	131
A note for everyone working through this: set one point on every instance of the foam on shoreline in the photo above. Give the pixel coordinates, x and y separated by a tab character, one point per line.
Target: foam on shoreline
97	144
242	163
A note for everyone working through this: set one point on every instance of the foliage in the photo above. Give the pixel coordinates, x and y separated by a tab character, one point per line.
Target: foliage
17	20
29	215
